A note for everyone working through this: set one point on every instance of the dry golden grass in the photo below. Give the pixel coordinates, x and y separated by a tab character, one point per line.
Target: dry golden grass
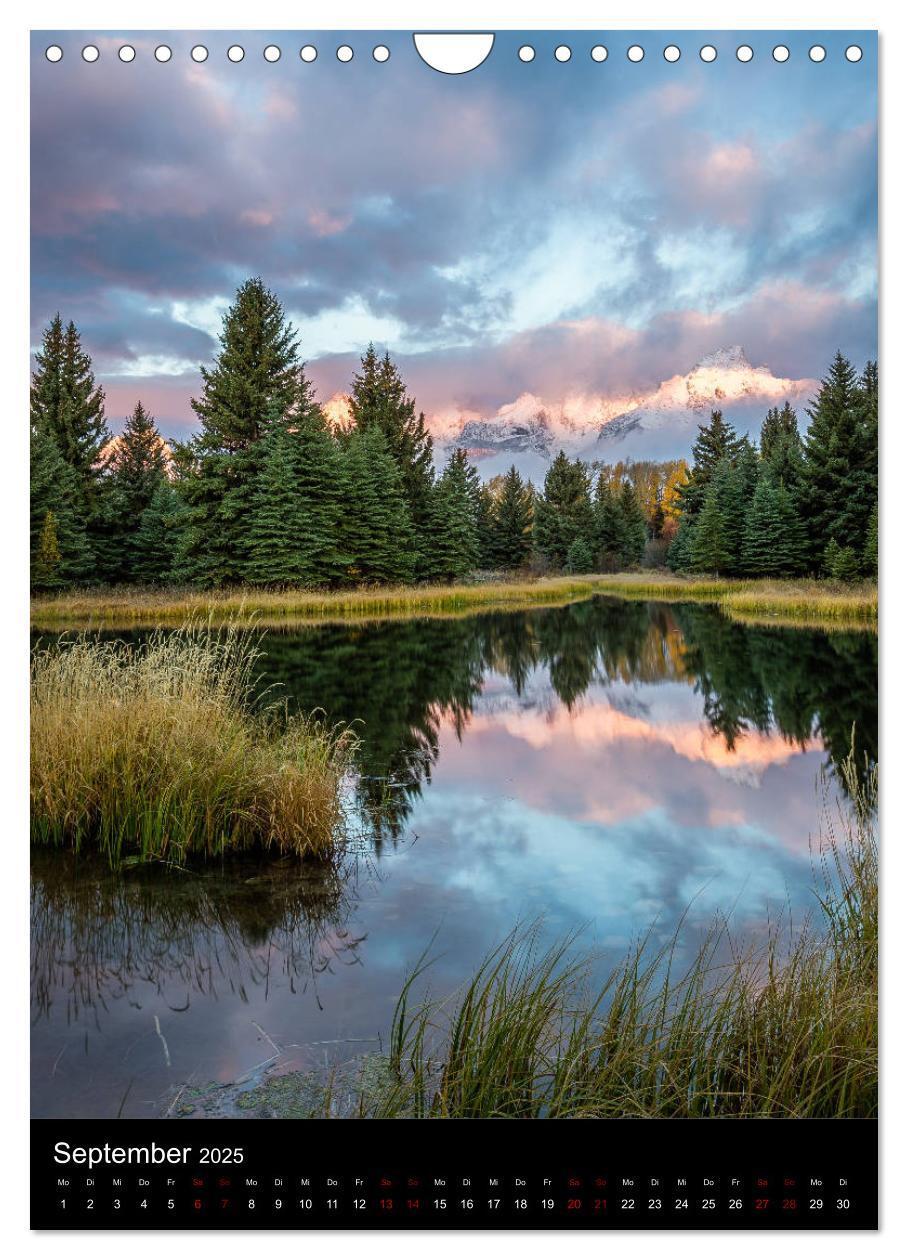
796	602
154	751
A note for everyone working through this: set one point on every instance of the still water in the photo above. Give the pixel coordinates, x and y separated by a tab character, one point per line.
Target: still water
602	767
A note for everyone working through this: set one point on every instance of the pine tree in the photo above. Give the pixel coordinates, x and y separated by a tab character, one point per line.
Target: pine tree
276	550
709	550
715	442
632	526
157	535
454	547
679	558
840	563
775	542
54	487
512	522
46	571
564	511
253	384
872	545
135	469
608	525
579	557
378	397
377	532
66	402
840	468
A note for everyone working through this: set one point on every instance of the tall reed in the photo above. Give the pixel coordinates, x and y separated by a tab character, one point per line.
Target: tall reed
158	751
782	1027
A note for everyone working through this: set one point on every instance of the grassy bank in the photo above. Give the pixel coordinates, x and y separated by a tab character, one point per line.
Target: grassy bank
783	1027
802	602
155	752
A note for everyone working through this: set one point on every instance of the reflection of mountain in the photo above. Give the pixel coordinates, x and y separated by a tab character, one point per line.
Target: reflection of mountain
96	935
400	681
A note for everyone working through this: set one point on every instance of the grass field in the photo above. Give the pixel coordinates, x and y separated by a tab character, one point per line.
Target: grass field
797	602
154	753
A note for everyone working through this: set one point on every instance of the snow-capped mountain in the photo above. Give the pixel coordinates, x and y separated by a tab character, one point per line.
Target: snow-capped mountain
658	425
664	424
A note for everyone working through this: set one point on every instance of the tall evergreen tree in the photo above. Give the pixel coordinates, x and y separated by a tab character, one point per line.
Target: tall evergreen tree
156	536
253	384
563	511
608	525
782	449
872	545
378	397
136	467
454	548
840	468
775	542
377	532
715	442
66	402
55	488
632	525
709	549
512	522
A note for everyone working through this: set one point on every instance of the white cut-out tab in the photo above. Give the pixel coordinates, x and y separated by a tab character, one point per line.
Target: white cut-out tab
453	53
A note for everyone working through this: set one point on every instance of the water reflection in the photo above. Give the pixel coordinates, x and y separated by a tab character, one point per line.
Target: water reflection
404	681
606	765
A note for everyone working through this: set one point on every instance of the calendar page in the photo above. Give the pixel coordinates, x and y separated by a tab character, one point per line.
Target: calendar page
453	545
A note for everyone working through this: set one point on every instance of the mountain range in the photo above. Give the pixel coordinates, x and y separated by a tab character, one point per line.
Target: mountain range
660	424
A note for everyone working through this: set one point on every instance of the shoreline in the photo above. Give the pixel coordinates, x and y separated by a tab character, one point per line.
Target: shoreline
788	602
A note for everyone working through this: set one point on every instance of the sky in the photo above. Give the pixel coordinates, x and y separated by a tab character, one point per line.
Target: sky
545	227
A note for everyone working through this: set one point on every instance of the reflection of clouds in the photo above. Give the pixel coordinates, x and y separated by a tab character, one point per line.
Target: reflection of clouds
509	857
595	725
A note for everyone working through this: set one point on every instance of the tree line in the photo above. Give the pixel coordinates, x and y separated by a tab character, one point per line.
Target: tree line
269	492
788	505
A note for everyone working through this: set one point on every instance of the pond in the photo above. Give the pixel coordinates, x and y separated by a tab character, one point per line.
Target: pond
606	768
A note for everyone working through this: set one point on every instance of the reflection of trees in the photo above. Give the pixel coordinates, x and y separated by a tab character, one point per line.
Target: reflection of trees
96	934
803	683
400	681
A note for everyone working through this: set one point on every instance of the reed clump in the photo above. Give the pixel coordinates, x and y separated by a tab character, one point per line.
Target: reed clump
159	751
786	1027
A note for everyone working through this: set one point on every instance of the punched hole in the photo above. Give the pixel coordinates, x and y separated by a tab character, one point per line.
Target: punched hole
381	52
199	53
235	53
126	53
272	53
635	53
745	53
526	52
345	53
562	53
308	53
854	52
90	53
599	52
780	53
672	53
708	53
817	53
162	53
53	53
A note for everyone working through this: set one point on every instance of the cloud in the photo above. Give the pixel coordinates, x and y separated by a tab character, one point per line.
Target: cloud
598	232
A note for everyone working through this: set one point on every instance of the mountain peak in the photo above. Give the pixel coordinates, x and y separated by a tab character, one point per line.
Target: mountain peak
725	357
